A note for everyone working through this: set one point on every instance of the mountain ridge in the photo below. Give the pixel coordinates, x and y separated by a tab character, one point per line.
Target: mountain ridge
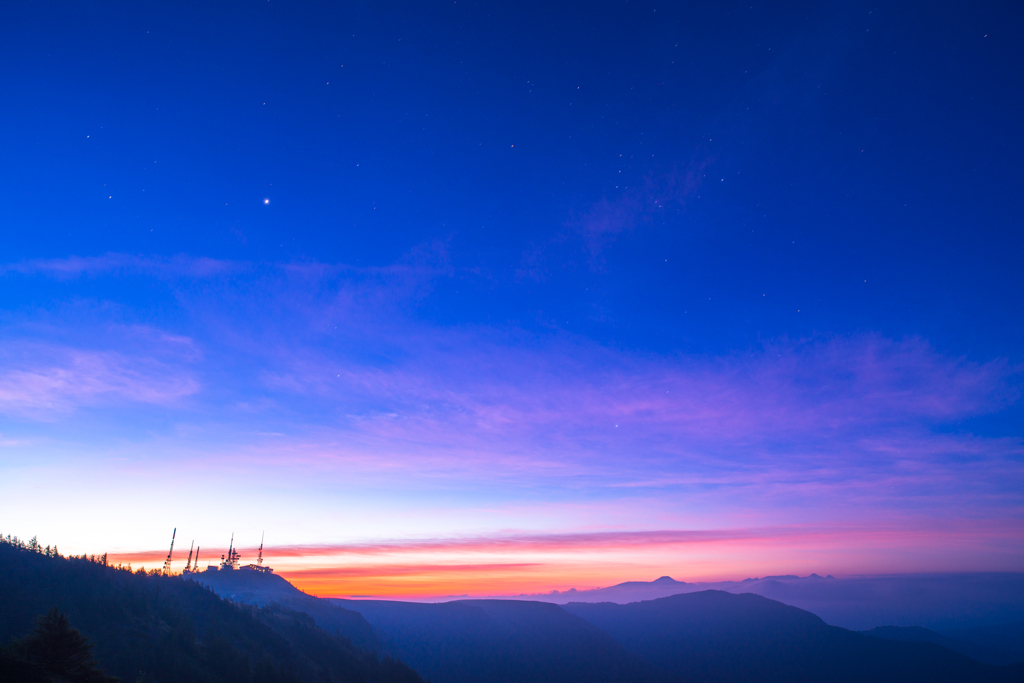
718	636
981	652
938	601
180	628
263	589
163	629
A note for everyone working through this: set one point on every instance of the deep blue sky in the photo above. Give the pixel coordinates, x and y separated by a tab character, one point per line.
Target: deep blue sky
693	181
855	142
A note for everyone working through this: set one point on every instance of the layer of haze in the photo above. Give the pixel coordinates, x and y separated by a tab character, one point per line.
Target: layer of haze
476	298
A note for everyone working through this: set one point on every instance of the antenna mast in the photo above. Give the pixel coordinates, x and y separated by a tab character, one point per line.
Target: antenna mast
167	562
259	566
231	561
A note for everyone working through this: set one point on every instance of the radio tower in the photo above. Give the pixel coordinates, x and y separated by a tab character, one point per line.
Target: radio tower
258	567
188	563
231	562
167	562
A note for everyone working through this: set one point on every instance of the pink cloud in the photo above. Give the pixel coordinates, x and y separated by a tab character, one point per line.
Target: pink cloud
114	263
627	541
464	390
319	378
48	381
844	427
511	562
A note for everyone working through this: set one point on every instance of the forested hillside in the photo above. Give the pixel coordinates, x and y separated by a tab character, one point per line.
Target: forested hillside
149	627
502	641
256	588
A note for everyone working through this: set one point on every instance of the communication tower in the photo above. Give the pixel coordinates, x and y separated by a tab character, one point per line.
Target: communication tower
230	562
258	567
167	562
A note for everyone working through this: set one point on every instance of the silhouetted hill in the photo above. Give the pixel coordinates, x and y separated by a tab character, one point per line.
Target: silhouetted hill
1009	637
935	601
257	588
167	628
499	641
163	628
980	652
629	591
718	636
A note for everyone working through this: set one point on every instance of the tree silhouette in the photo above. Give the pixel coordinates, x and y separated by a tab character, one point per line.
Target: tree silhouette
60	651
14	669
160	628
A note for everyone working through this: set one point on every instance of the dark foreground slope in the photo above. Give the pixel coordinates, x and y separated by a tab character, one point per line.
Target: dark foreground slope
983	652
1008	637
499	641
718	636
256	588
162	629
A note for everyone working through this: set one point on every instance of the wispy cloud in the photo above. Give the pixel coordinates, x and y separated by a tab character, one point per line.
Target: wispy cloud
308	377
470	394
622	541
115	263
44	381
352	380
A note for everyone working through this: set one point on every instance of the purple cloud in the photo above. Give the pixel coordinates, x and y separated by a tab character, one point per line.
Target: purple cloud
44	381
113	263
320	377
470	384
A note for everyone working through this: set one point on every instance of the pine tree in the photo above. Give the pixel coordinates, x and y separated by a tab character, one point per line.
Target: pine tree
61	651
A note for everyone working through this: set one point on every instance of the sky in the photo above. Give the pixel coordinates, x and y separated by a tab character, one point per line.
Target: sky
479	298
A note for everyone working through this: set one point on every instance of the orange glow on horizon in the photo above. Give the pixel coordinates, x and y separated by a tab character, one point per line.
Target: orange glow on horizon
538	564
